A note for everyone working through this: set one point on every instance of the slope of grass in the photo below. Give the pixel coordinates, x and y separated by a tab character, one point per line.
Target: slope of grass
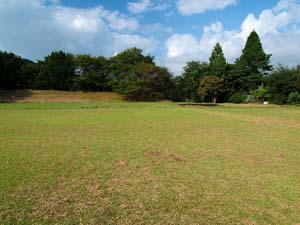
57	96
149	163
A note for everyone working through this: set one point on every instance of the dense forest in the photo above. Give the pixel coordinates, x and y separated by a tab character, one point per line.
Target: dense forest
251	78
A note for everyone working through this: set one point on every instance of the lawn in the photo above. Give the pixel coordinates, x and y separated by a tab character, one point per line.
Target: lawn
149	163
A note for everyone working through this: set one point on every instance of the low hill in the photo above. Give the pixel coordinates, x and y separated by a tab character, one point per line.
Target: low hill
58	96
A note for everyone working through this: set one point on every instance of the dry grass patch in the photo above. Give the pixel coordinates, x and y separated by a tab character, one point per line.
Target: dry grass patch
27	96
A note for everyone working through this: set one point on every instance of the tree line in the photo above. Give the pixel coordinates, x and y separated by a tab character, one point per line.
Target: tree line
129	73
137	77
251	78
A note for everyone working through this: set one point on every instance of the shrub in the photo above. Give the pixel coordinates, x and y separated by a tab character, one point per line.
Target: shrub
279	99
294	98
237	98
260	94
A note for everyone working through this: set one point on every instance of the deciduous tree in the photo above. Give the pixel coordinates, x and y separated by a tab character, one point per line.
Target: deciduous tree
194	71
211	87
57	71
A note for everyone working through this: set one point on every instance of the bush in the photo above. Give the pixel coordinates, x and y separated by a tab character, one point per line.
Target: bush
294	98
260	94
237	98
279	99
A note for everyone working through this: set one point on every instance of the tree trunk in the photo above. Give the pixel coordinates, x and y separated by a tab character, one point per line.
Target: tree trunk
215	100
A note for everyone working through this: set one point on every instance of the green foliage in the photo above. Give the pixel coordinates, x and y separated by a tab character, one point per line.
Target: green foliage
282	82
217	62
294	98
130	73
28	75
10	68
253	64
132	56
122	67
211	87
177	92
147	82
138	78
95	73
187	86
57	72
260	94
237	98
245	75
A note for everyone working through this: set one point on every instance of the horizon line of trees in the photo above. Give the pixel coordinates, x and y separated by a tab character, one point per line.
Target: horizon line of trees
138	78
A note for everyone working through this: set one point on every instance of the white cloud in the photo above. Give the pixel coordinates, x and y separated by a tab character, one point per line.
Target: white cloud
34	28
180	49
139	6
124	41
162	6
146	5
157	28
189	7
179	45
278	29
87	19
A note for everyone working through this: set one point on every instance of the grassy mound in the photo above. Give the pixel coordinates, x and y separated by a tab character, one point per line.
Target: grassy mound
57	96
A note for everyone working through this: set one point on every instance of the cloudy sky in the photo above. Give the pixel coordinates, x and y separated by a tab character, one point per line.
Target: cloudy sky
174	31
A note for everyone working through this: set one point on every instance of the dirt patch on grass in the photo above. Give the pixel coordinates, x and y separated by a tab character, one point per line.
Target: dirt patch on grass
157	155
122	163
154	154
178	158
198	104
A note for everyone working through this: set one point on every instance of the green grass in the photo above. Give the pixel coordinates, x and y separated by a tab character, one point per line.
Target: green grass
149	163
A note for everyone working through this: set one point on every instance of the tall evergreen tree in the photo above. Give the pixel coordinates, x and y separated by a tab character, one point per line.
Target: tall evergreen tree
253	64
217	62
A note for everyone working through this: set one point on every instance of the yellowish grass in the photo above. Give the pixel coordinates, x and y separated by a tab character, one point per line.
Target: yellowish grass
27	96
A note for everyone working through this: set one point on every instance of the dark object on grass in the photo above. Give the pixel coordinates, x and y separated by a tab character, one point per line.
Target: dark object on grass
198	104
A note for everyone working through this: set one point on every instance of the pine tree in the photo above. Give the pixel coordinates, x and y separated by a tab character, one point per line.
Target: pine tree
217	62
253	64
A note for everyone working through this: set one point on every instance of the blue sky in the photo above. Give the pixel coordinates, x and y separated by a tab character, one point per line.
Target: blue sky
174	31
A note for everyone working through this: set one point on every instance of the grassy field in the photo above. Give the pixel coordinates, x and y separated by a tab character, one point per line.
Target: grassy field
149	163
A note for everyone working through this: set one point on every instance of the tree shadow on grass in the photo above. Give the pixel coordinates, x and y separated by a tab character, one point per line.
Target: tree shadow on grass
12	96
198	104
